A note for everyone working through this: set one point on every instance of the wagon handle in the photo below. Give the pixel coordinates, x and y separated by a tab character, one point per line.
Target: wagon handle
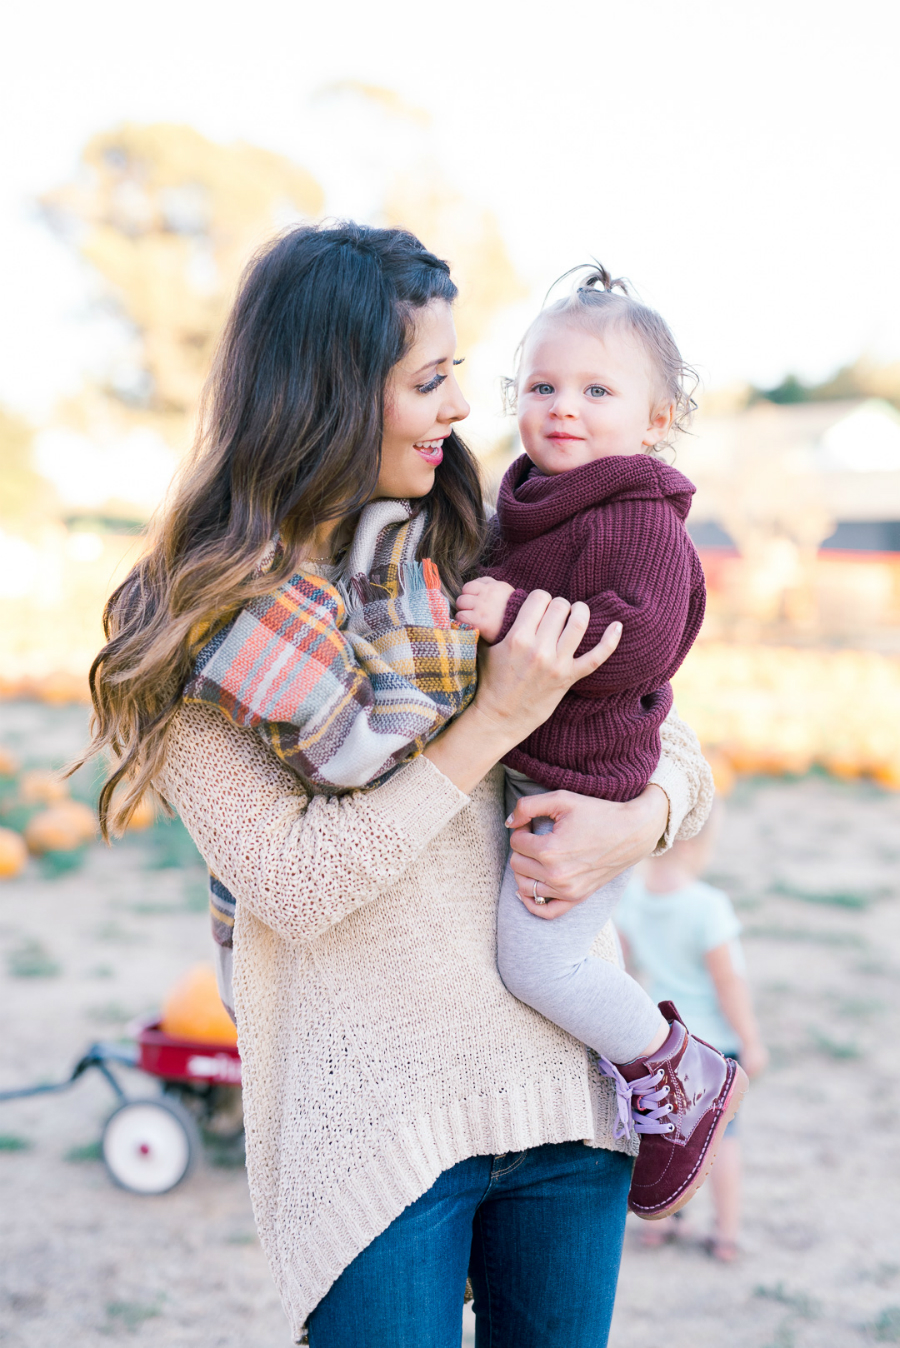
98	1055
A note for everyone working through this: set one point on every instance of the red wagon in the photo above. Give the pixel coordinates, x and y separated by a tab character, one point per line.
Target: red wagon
150	1144
162	1055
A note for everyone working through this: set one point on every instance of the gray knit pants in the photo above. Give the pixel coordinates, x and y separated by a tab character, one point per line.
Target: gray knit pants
549	966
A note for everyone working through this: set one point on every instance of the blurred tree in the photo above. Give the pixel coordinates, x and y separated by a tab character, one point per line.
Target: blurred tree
25	496
396	139
790	390
862	379
469	237
168	219
762	489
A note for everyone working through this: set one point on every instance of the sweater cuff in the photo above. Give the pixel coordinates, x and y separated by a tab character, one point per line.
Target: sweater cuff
670	776
513	604
417	800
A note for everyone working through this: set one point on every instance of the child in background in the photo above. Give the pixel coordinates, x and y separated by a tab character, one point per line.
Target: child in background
683	935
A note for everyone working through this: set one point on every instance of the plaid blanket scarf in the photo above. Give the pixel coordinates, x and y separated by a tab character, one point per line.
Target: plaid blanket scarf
343	680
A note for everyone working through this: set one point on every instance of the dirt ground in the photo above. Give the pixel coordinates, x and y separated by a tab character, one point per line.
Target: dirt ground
813	868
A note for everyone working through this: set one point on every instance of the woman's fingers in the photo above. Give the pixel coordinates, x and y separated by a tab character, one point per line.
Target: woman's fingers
573	633
523	677
553	624
527	808
558	627
591	660
528	858
548	910
540	623
529	617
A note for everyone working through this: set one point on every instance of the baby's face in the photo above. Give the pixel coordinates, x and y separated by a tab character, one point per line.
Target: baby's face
583	397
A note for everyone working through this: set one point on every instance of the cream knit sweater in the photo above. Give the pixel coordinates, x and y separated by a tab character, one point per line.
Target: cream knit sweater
379	1045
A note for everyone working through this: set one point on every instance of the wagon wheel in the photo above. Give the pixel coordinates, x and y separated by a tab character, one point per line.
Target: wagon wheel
150	1145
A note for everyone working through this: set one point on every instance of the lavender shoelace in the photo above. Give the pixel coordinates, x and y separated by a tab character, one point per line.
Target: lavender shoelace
640	1107
649	1112
624	1125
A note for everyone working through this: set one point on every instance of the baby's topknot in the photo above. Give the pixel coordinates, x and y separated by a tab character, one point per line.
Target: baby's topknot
598	278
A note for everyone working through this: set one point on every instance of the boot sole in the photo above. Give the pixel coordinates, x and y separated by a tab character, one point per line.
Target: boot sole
739	1085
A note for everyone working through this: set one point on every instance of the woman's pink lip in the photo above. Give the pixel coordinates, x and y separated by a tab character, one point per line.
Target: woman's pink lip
433	457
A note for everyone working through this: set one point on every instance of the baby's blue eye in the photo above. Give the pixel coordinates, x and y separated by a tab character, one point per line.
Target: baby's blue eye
542	388
597	391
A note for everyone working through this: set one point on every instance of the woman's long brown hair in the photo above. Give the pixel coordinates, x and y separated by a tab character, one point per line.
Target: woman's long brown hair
290	436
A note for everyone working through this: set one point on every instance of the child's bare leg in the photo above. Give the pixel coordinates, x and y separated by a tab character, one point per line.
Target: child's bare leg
654	1234
677	1227
726	1191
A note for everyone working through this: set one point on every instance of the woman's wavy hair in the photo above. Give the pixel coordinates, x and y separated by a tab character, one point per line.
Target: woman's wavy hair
601	301
290	436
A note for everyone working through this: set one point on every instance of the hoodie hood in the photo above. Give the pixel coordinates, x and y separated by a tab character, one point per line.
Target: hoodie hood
530	504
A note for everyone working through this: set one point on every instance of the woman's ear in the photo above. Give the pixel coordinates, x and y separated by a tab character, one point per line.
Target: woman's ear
659	426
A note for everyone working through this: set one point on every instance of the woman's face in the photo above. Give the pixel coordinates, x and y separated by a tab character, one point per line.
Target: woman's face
422	402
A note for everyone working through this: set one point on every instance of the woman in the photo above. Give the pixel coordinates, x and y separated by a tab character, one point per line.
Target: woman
408	1121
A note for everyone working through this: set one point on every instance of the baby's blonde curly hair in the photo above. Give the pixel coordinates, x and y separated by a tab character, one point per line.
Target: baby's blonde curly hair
601	302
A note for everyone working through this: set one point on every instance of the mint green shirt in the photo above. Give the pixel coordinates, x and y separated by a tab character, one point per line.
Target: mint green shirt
669	936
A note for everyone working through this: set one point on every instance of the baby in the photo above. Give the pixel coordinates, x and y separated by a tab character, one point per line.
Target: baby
588	512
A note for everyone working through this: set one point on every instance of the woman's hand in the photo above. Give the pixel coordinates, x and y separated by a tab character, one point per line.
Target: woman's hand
521	681
592	842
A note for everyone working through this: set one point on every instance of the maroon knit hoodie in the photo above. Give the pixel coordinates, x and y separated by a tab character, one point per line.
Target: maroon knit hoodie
611	533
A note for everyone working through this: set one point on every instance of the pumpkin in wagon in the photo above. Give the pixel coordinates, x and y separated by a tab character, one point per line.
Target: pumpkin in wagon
194	1010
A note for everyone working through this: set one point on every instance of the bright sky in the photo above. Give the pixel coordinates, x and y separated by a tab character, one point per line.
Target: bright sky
738	162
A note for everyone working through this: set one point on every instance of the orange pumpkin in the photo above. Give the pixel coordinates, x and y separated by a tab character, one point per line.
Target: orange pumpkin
723	773
40	787
13	853
194	1010
888	776
9	764
747	760
61	688
843	766
62	828
144	815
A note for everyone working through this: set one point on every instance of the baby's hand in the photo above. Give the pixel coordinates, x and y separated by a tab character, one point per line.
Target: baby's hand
482	604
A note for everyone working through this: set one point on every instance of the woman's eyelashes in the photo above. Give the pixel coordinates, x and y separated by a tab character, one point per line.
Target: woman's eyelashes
432	384
438	379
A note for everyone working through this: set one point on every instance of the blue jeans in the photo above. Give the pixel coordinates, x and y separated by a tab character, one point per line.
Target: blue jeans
539	1232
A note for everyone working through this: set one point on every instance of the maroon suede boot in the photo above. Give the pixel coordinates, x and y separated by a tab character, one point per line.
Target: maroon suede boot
682	1098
